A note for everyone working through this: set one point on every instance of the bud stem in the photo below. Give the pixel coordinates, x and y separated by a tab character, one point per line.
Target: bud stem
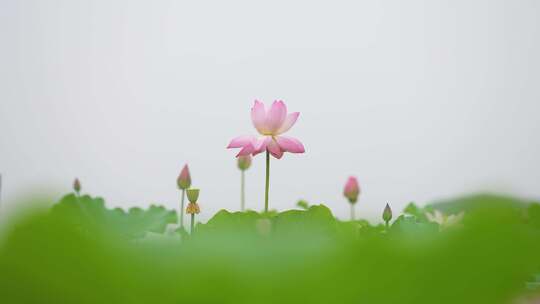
242	191
0	190
387	226
352	212
182	208
192	222
267	181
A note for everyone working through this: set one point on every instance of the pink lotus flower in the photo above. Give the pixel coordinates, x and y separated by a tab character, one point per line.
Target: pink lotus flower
271	124
352	190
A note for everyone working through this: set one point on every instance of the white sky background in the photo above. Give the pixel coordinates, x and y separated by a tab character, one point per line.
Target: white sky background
420	99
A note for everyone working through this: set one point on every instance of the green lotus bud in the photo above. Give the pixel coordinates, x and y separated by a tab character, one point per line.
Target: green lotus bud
244	162
77	185
303	204
387	214
193	195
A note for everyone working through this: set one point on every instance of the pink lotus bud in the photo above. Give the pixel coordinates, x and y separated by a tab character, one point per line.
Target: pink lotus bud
244	162
184	179
77	185
352	190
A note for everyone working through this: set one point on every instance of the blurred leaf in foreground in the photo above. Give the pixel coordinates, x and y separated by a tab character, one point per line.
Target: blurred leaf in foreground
307	257
86	212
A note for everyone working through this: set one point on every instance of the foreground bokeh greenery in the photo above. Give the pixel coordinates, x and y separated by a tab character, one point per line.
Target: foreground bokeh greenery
82	252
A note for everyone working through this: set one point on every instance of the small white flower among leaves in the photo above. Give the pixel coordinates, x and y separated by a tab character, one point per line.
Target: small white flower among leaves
445	221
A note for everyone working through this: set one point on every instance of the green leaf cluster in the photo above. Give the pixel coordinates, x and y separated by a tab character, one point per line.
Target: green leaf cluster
91	215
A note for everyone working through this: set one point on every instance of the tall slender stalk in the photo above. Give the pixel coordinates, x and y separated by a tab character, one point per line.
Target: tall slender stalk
352	212
267	181
192	223
0	190
182	209
242	191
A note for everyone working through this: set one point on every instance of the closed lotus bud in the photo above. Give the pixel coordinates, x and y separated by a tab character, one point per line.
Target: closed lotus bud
193	208
352	190
193	195
184	179
77	185
244	162
387	213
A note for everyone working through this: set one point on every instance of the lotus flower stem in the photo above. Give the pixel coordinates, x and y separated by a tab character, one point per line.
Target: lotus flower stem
192	223
182	208
242	191
352	212
267	186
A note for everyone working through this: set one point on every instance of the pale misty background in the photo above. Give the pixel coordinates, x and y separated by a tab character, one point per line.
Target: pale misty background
422	100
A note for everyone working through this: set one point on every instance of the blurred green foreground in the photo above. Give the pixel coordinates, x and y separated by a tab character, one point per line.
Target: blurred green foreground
81	252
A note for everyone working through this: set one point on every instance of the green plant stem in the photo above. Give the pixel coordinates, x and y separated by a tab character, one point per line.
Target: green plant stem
387	226
192	222
352	212
0	190
242	191
267	181
182	209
